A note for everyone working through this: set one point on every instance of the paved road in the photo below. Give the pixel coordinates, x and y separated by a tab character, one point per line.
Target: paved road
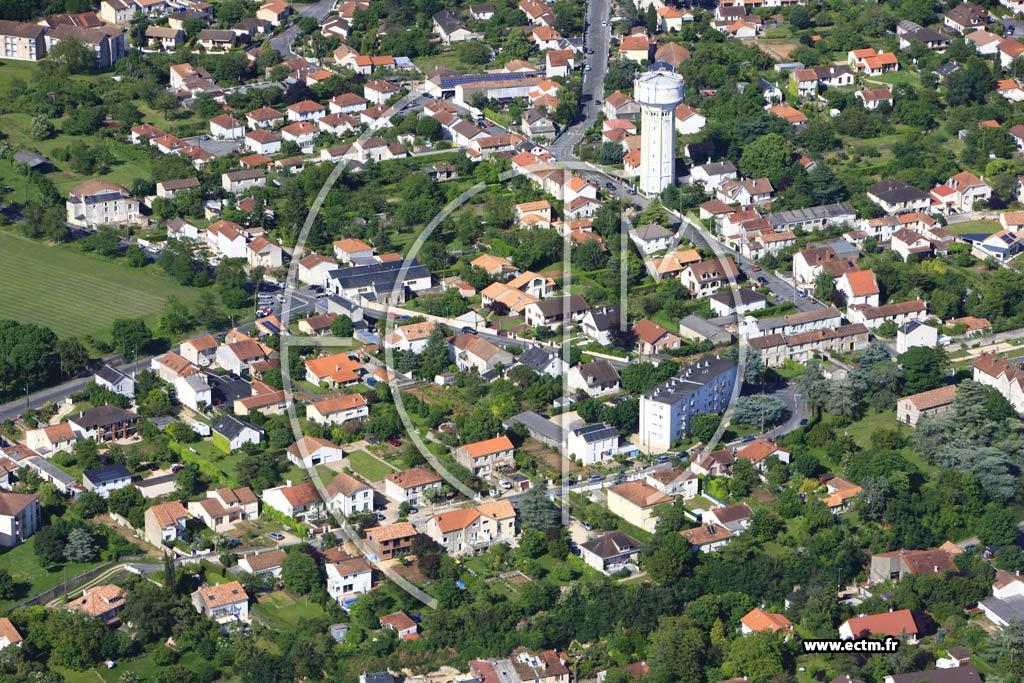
283	41
598	38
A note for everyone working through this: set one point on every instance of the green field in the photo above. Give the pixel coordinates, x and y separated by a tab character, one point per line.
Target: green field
974	228
32	579
76	293
368	467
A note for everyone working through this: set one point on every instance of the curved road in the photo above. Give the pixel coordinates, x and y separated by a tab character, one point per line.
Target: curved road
282	42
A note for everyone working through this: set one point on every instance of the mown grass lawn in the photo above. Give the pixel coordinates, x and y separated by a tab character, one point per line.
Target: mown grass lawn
75	293
287	609
368	467
29	577
974	228
144	666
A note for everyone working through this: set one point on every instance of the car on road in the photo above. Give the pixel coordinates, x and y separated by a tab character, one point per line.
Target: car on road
755	268
778	299
604	23
803	422
631	191
505	484
762	280
663	459
587	67
586	526
177	467
610	186
800	293
595	477
204	138
276	536
747	439
380	517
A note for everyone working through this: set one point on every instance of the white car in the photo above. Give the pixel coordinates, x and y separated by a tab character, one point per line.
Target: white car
604	23
588	67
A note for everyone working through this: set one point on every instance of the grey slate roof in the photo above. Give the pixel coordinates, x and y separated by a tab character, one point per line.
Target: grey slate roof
110	374
536	358
105	473
611	544
811	213
691	380
596	432
230	426
380	276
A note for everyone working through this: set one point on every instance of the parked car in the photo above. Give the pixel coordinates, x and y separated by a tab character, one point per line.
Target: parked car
755	268
276	536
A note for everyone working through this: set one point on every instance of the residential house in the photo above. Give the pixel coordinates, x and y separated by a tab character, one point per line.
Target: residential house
468	530
555	312
116	381
100	602
347	578
707	277
225	507
486	458
652	338
264	117
618	105
688	120
164	37
873	98
262	253
46	440
915	333
450	28
276	12
758	620
1005	377
411	485
98	202
263	563
596	378
20	517
106	479
707	538
194	392
226	239
674	481
745	192
313	269
892	566
858	287
740	301
231	433
636	48
898	624
301	501
601	324
216	40
237	182
898	313
712	175
104	423
222	602
735	518
412	337
348	495
338	410
965	17
593	443
543	361
758	451
388	542
610	552
165	522
896	196
201	350
652	238
471	351
635	502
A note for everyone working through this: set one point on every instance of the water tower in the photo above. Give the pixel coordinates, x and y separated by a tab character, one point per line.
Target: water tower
658	91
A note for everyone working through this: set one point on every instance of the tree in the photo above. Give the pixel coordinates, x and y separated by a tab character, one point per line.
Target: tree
130	336
743	478
704	425
757	656
824	286
231	281
923	368
668	559
300	573
130	504
155	404
7	585
73	56
430	128
49	545
769	156
760	410
77	640
676	650
536	511
80	547
134	256
89	504
74	357
176	318
342	325
187	482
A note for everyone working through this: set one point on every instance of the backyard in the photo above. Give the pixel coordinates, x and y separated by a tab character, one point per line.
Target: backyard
369	467
281	608
76	293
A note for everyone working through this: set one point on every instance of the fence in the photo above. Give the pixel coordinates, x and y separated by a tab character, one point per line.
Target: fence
75	582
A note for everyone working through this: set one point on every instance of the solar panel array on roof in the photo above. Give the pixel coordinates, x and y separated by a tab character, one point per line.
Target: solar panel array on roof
450	82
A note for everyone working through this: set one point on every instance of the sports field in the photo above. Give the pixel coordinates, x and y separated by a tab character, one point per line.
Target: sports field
76	293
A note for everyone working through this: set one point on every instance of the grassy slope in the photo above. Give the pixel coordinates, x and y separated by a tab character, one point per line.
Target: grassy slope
77	293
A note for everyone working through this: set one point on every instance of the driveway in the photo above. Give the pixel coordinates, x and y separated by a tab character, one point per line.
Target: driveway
283	41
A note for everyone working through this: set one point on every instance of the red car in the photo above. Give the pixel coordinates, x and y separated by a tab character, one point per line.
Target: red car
756	268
